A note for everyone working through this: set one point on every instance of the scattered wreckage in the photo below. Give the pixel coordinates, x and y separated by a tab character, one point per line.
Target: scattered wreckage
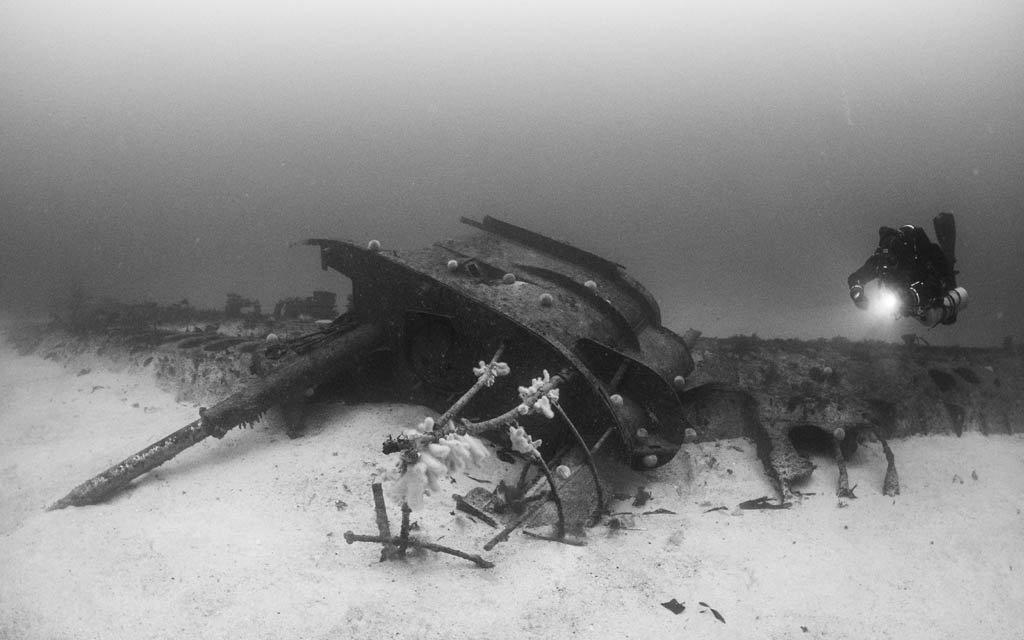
418	323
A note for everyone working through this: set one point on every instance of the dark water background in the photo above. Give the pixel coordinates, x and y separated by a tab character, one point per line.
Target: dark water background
738	157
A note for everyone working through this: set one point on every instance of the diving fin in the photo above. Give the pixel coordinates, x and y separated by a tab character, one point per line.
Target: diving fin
945	233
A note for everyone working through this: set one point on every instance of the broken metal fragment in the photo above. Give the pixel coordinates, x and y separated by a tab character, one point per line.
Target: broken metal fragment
764	502
674	606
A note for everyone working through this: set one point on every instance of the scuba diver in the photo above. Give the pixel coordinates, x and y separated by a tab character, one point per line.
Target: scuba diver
915	275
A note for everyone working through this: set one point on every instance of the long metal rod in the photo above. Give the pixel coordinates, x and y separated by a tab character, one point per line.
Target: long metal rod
98	488
239	408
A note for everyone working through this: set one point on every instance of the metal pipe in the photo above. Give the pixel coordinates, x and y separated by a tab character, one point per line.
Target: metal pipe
240	408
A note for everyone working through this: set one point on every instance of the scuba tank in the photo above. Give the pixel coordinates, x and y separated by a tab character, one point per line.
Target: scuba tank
953	302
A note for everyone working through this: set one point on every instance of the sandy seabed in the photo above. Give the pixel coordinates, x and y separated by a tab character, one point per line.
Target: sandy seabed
243	537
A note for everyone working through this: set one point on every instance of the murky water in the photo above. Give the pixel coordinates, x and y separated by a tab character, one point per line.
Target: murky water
738	159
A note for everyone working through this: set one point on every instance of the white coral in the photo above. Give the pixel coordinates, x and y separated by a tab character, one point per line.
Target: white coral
435	471
488	372
412	486
477	450
448	455
522	442
543	403
427	426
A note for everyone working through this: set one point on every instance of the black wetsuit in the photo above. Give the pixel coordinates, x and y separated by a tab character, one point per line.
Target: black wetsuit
910	264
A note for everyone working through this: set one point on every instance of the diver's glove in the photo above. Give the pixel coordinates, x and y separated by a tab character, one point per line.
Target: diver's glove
858	296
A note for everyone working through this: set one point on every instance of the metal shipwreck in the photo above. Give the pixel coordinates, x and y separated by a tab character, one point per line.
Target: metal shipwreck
419	319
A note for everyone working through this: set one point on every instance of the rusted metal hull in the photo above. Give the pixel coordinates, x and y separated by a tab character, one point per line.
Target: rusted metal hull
551	305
